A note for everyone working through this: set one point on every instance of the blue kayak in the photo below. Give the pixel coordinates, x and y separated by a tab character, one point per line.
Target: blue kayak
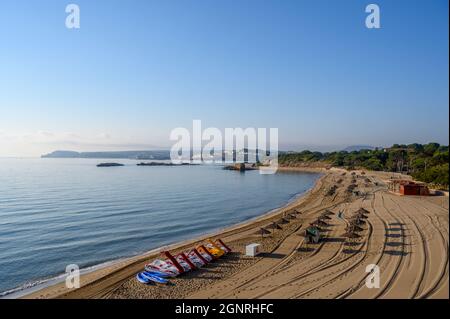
143	279
157	273
154	278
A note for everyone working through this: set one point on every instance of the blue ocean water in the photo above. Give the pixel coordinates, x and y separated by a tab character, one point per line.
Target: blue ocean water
56	212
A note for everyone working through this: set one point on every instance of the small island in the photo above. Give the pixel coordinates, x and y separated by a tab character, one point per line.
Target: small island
242	167
163	164
109	164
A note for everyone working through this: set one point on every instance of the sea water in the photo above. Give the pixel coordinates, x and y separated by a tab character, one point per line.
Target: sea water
56	212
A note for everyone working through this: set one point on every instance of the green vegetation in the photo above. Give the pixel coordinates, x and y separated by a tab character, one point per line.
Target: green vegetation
427	163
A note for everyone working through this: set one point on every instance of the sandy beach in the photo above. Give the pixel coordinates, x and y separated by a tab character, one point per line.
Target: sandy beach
406	236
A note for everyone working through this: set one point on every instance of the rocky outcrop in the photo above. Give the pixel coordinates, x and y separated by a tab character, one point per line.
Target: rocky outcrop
109	164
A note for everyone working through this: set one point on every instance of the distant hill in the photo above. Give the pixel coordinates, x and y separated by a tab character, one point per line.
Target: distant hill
357	148
141	155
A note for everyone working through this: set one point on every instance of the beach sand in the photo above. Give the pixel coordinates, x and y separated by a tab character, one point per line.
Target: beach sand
405	236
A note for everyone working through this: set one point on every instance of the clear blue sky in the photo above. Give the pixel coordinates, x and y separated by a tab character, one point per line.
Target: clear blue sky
137	69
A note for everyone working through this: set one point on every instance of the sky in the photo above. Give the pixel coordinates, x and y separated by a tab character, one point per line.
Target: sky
135	70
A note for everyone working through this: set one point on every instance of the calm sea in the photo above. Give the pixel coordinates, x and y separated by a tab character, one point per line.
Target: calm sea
56	212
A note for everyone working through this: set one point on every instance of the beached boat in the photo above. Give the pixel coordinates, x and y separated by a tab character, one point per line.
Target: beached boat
154	278
163	266
205	253
142	279
221	245
196	259
185	262
214	250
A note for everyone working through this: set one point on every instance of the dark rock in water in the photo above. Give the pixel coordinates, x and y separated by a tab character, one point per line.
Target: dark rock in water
241	167
154	164
109	164
163	164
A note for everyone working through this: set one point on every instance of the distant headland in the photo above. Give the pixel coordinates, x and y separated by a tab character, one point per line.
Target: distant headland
139	155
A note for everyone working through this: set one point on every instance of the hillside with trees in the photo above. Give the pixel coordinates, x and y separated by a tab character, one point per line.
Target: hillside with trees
427	163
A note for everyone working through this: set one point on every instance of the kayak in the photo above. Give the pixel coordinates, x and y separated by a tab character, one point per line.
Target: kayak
166	267
142	279
157	273
219	246
222	246
215	251
154	278
205	253
183	263
195	259
167	273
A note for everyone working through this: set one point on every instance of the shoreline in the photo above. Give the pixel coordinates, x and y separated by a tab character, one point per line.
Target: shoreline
54	287
394	236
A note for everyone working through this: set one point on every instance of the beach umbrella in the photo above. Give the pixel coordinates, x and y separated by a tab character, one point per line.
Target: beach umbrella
290	216
360	215
263	232
328	213
357	221
274	226
353	228
363	211
320	223
351	235
312	235
314	231
282	221
313	225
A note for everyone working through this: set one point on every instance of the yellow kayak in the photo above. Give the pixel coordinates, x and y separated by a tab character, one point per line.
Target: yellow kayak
213	249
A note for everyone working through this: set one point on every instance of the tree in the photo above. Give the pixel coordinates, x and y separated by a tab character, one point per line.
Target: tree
430	148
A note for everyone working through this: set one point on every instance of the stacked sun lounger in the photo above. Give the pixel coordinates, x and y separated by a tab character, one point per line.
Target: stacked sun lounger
160	270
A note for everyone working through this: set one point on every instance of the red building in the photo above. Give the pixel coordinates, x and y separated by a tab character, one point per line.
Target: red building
414	189
407	187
